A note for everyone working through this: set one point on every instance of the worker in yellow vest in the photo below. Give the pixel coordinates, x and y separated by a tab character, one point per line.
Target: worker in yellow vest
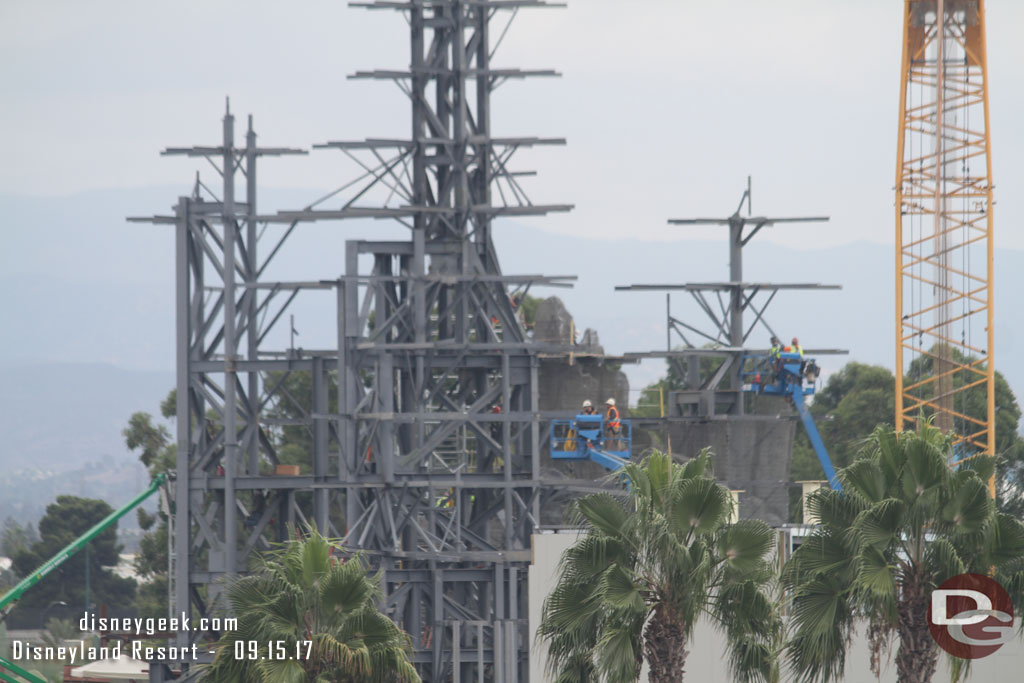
796	348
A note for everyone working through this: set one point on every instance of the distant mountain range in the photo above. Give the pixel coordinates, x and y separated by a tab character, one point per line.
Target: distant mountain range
61	425
86	304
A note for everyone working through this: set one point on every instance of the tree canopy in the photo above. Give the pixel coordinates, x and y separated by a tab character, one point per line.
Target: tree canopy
852	403
859	398
65	520
905	522
14	537
157	452
651	564
322	605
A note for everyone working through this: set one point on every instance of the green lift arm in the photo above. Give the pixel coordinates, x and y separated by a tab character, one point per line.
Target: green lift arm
12	596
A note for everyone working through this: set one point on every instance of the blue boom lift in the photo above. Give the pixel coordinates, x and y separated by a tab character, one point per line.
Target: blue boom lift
784	376
585	438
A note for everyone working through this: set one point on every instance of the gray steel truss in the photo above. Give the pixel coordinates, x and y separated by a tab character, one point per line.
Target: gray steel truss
223	439
424	424
714	387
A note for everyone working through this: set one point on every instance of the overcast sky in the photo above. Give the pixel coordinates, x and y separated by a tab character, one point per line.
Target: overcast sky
667	104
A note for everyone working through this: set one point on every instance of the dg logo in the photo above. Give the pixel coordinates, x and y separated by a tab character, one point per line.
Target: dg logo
970	616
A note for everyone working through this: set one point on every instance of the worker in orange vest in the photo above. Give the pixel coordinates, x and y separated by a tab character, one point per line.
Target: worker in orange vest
588	408
612	425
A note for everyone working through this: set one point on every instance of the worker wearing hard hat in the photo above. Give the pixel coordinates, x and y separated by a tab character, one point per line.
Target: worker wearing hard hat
796	348
774	358
588	408
612	426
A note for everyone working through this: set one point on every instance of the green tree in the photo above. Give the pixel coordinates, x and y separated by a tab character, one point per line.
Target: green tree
654	394
861	397
648	567
65	520
157	452
308	591
292	408
14	537
853	402
972	401
904	523
528	309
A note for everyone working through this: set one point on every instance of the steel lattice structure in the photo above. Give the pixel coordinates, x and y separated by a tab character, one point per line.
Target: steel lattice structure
430	462
716	388
944	313
710	351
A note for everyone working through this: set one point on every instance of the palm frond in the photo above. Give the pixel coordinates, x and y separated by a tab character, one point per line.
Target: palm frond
603	512
833	509
744	544
881	524
667	548
1004	548
876	574
298	592
969	508
698	506
866	480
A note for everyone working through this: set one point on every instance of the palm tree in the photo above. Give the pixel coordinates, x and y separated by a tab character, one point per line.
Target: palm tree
649	565
905	522
322	609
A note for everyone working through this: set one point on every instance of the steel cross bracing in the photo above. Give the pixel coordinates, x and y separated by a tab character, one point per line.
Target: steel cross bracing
438	417
430	461
715	387
222	438
944	312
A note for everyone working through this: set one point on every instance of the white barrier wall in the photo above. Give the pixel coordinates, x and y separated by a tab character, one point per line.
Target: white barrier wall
706	661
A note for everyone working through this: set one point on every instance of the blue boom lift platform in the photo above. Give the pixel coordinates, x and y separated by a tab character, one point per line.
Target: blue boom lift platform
788	375
785	376
585	438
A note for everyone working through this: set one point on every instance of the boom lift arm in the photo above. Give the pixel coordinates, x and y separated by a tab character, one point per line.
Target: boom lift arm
784	376
8	601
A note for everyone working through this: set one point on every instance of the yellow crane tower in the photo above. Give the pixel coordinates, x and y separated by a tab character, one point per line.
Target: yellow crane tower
944	303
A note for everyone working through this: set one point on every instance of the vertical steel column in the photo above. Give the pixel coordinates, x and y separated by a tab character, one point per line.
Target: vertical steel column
252	409
736	308
185	423
230	528
321	429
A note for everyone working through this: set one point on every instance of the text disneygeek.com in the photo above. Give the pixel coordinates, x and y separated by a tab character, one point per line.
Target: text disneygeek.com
130	628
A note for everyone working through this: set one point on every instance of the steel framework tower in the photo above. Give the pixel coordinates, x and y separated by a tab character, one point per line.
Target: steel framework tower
717	388
709	352
944	312
438	415
430	462
225	508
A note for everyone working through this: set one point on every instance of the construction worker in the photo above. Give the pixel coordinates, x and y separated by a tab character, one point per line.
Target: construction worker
588	408
796	348
496	426
612	426
774	358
